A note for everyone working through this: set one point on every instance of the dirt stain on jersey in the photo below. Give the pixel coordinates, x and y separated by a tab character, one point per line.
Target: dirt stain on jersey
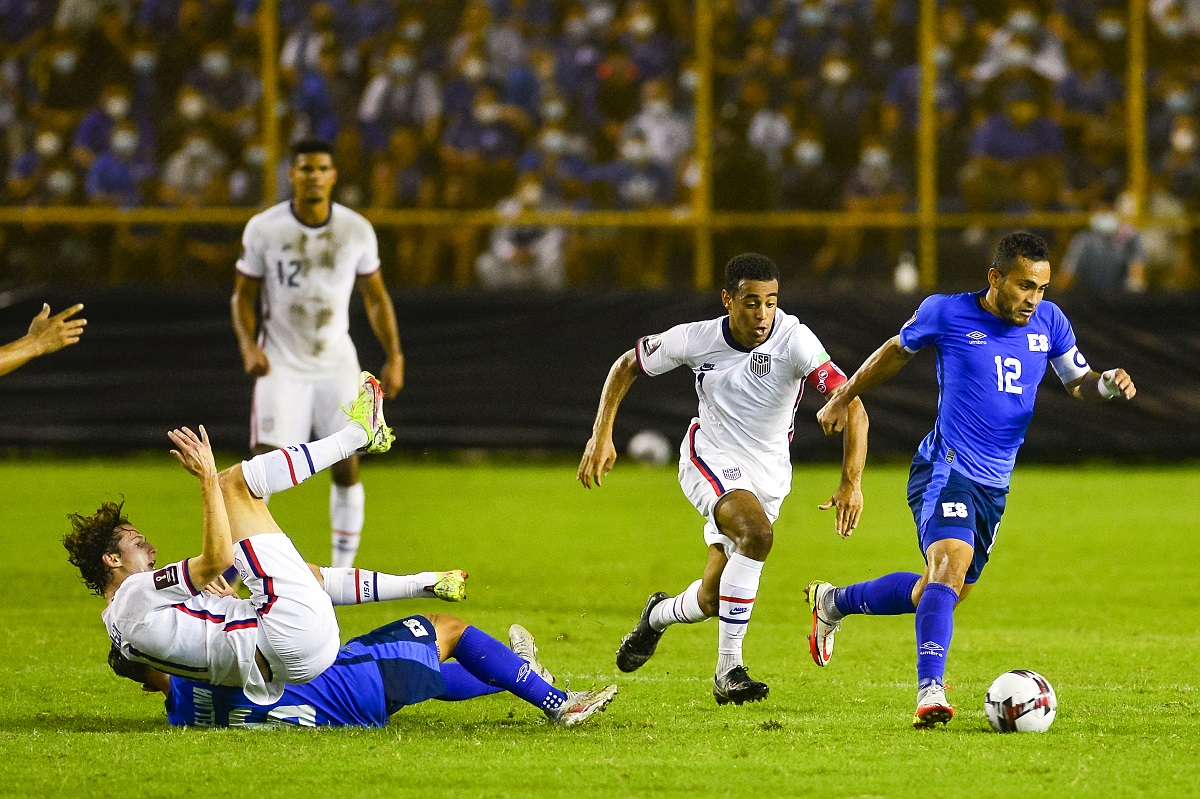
327	254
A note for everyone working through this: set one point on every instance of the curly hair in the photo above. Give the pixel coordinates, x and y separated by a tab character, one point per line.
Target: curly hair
748	266
1014	246
93	537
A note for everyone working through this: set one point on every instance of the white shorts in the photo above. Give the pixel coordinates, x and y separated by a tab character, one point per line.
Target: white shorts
706	474
298	631
289	410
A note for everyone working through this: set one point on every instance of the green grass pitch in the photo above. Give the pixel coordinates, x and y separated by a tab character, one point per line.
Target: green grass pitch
1093	582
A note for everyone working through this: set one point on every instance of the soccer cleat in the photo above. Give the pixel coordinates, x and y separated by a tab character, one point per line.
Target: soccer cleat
820	640
932	707
639	644
367	412
737	687
581	705
521	642
451	586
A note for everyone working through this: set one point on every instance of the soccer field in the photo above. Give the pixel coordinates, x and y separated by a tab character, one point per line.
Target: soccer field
1093	583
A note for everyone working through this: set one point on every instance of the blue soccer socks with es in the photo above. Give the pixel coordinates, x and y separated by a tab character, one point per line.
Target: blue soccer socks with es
358	586
280	469
681	609
935	626
495	664
739	587
889	595
460	684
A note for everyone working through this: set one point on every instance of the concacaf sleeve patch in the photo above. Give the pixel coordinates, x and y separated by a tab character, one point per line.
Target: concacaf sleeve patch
650	345
166	577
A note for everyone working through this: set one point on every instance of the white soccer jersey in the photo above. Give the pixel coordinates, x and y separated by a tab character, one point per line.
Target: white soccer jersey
748	398
159	618
307	276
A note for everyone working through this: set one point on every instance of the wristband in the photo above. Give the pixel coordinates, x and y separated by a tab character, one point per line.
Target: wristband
1107	386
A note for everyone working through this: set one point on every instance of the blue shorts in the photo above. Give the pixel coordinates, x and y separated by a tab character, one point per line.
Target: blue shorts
406	654
945	504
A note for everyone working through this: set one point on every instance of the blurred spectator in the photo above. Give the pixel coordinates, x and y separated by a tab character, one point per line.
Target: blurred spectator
246	179
1005	143
1098	168
577	53
1110	36
613	97
805	36
403	177
666	132
1023	41
479	151
459	94
302	48
808	181
1171	96
901	101
401	94
767	130
225	85
118	176
63	93
146	80
650	50
1090	91
523	256
208	249
350	155
1107	256
189	171
1172	36
500	42
560	159
1165	240
638	183
80	16
839	104
94	133
30	169
1181	165
181	49
317	97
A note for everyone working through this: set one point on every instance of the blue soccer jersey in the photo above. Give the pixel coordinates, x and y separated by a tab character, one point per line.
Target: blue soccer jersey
988	374
374	676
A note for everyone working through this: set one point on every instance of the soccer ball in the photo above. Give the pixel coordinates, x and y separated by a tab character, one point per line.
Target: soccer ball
650	447
1020	701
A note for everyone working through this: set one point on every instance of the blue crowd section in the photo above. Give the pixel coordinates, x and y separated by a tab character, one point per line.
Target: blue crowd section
523	371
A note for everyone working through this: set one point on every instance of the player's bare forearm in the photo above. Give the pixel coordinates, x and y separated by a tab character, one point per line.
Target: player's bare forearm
194	452
882	366
16	354
46	334
1095	388
381	314
854	443
599	455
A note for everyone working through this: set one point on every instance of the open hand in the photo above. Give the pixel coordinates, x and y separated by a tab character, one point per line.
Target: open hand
194	452
848	500
255	363
52	333
391	376
598	460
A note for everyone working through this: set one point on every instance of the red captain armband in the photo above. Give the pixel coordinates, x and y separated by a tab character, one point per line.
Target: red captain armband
826	378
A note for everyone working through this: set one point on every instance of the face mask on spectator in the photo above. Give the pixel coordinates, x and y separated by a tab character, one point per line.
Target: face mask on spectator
216	63
48	143
808	153
943	56
1105	222
143	62
1174	28
530	195
876	158
1183	140
1110	30
657	108
192	107
400	66
1023	21
813	16
635	151
195	148
600	14
1017	55
60	181
690	178
689	79
255	155
642	25
124	142
64	61
554	141
412	31
836	72
117	106
487	113
576	27
245	127
554	110
1179	101
473	69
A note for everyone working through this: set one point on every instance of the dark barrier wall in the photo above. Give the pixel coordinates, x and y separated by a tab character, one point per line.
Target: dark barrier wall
524	371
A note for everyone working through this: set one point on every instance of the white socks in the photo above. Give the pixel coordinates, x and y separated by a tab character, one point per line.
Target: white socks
357	586
682	609
739	586
346	510
281	469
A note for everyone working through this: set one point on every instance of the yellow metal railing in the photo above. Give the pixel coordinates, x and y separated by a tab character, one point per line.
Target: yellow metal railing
699	217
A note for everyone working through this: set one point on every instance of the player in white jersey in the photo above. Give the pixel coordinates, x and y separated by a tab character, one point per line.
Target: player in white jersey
734	462
183	619
303	258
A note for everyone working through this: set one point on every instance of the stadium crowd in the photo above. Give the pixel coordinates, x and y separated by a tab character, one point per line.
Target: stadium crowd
589	104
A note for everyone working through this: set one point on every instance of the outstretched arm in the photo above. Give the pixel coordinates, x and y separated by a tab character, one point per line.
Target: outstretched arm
1095	388
46	334
848	498
599	455
216	554
382	316
883	364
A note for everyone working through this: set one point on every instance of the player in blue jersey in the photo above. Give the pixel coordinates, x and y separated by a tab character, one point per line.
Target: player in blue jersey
993	347
374	675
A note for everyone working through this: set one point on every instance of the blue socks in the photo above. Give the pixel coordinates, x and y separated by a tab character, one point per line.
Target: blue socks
496	665
461	685
935	626
889	595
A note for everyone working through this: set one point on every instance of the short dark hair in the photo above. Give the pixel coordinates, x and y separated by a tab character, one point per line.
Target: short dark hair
307	146
1014	246
748	266
93	537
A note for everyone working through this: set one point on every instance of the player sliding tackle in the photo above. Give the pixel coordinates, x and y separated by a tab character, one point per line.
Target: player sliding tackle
287	631
735	461
993	349
399	664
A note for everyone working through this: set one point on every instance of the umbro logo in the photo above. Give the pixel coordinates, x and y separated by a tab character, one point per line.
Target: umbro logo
931	648
977	337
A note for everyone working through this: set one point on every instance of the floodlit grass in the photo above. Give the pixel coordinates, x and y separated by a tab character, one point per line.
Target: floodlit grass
1093	582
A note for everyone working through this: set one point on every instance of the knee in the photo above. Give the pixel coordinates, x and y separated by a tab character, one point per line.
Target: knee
448	630
754	538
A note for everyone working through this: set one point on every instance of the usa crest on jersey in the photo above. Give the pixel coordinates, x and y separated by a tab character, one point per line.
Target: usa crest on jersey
760	364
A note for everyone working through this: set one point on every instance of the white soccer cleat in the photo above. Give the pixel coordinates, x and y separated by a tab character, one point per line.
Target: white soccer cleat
581	705
521	642
820	640
932	707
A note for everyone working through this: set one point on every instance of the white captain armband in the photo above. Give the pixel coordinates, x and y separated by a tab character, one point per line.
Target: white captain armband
1071	365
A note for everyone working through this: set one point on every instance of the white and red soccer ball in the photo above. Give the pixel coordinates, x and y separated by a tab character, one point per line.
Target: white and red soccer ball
1020	701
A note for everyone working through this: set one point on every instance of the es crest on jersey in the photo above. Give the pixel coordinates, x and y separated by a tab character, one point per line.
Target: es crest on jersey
166	577
650	345
760	364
